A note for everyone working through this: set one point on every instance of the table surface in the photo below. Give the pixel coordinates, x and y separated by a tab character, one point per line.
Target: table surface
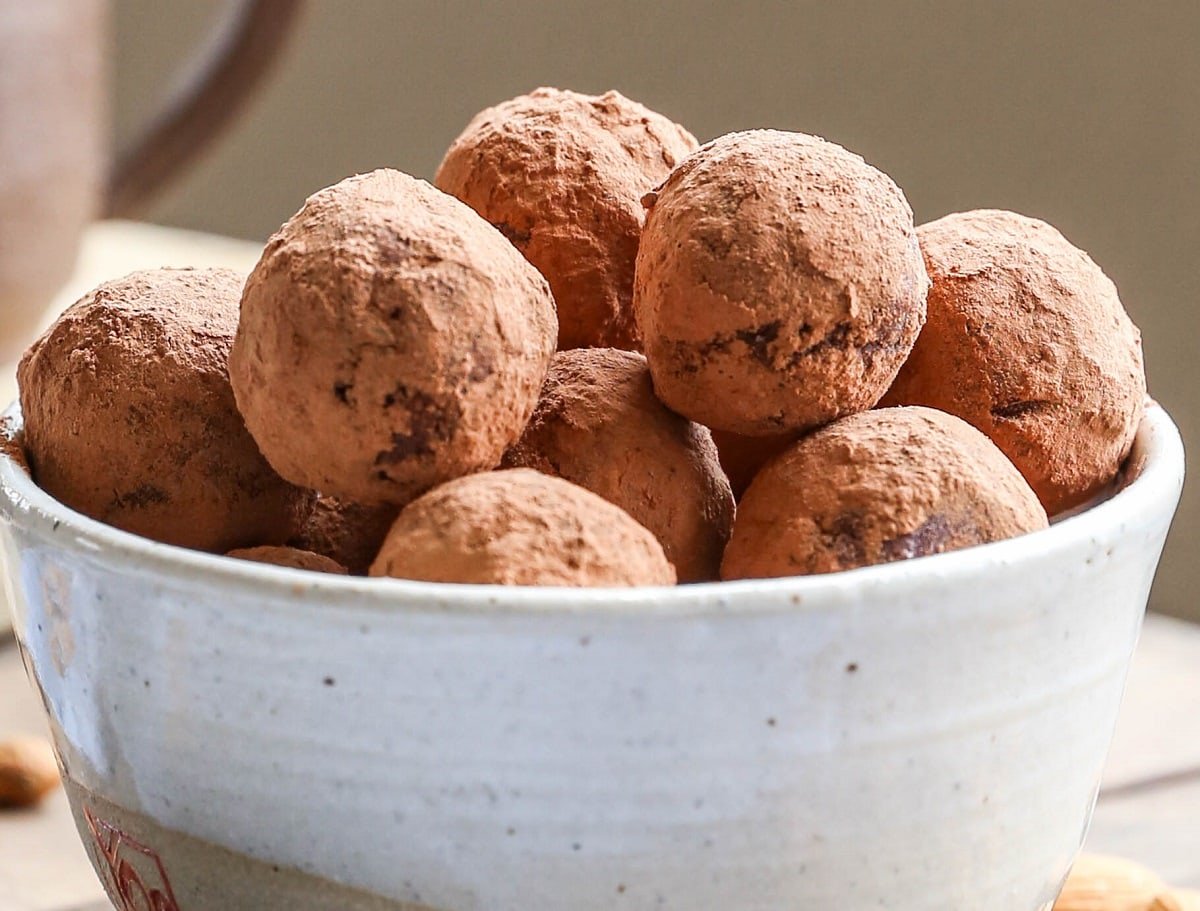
1149	806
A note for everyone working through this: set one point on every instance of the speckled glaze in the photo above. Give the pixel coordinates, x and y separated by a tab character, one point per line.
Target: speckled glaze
917	736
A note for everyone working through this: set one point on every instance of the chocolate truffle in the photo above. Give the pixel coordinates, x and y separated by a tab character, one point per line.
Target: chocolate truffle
1027	340
598	425
130	419
349	533
291	557
520	527
562	175
890	484
390	339
779	284
743	457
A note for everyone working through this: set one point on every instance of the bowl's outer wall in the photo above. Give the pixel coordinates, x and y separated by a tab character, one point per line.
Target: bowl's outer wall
928	745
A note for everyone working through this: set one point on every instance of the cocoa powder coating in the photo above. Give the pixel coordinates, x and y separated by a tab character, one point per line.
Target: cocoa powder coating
130	418
883	485
779	284
561	175
1028	341
346	532
520	527
292	557
390	339
599	425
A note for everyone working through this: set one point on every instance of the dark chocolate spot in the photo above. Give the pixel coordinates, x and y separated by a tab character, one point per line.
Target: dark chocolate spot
430	422
838	339
1020	408
930	537
341	391
892	334
845	536
140	497
759	340
515	236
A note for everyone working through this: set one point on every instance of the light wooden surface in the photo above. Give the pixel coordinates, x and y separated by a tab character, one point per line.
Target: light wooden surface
114	248
1149	807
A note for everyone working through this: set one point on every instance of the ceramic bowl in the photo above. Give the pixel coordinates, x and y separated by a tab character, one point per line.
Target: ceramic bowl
916	736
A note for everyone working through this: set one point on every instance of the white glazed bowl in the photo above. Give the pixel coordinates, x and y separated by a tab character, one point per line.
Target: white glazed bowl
920	735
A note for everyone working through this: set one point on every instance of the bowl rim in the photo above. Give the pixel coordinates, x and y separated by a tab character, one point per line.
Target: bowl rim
1156	460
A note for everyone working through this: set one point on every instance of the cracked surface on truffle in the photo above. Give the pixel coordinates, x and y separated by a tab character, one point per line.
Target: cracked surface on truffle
599	425
130	418
520	527
779	284
289	556
390	339
561	175
883	485
349	533
1028	341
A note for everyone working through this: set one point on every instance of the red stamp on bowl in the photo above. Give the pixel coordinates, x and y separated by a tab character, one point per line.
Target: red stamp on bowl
132	873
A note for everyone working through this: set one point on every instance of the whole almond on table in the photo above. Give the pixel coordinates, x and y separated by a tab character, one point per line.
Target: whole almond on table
1099	882
28	771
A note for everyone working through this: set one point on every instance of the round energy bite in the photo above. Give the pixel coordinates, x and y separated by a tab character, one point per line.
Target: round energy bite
779	284
1027	340
289	556
130	418
390	339
598	425
894	483
520	527
561	175
348	533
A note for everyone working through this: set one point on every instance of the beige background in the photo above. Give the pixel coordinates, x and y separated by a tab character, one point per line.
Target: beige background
1086	114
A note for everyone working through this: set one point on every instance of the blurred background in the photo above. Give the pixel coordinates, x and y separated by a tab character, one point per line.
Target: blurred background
1086	114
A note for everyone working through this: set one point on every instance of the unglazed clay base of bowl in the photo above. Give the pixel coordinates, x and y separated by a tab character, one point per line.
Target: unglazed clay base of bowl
916	736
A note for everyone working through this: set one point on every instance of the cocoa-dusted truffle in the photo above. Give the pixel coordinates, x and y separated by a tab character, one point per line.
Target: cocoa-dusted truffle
598	425
390	339
879	486
742	457
562	175
129	416
291	557
779	284
349	533
1028	340
520	527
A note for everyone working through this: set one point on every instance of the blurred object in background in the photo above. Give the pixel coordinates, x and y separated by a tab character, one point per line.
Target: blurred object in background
52	128
1084	114
55	175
